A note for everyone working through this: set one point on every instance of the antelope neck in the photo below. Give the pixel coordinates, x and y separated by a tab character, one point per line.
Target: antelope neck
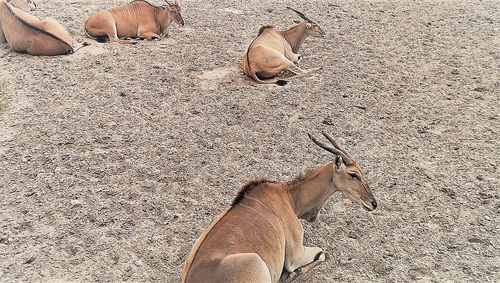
157	14
312	191
295	38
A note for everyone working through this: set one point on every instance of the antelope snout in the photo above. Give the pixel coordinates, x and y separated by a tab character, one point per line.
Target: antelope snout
182	23
374	204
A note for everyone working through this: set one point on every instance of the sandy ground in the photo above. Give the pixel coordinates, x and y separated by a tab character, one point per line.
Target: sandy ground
115	159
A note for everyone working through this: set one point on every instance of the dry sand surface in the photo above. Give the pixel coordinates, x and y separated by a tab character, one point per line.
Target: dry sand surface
115	159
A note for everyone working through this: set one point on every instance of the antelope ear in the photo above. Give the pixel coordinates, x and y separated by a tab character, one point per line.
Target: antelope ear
338	162
308	25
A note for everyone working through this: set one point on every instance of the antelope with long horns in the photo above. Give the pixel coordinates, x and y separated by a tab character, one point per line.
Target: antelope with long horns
138	19
259	237
274	51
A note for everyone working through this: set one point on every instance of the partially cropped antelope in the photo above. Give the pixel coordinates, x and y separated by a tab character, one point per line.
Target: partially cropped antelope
275	51
138	19
259	237
26	33
25	5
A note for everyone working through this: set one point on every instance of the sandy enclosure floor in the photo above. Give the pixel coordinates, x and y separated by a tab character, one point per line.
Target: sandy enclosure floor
115	159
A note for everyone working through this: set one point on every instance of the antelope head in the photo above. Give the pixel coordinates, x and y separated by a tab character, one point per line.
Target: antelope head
347	176
173	12
311	28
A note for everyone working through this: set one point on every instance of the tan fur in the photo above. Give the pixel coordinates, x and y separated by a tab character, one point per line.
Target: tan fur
259	237
138	19
200	240
25	33
25	5
274	51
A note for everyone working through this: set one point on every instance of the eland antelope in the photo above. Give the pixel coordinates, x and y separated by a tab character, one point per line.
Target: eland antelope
274	51
26	33
259	237
138	19
25	5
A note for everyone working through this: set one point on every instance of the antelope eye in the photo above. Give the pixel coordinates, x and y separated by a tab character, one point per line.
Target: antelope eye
353	175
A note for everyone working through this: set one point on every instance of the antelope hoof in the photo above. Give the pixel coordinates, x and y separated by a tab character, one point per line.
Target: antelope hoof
298	60
289	277
320	257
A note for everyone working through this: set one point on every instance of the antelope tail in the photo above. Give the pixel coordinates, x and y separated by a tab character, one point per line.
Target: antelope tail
254	74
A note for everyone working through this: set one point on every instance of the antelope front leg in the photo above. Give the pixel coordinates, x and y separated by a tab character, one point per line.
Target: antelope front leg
166	32
298	60
303	259
298	71
300	259
149	35
295	58
287	277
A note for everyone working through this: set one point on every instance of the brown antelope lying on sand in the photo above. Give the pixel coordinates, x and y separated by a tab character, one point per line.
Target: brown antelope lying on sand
259	237
25	33
25	5
138	19
275	51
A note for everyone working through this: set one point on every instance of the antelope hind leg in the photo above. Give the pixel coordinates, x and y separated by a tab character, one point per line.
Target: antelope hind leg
149	35
122	41
298	71
245	267
103	24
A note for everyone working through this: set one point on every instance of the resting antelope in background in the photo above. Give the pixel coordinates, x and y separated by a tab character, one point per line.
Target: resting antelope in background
138	19
26	33
275	51
259	237
25	5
